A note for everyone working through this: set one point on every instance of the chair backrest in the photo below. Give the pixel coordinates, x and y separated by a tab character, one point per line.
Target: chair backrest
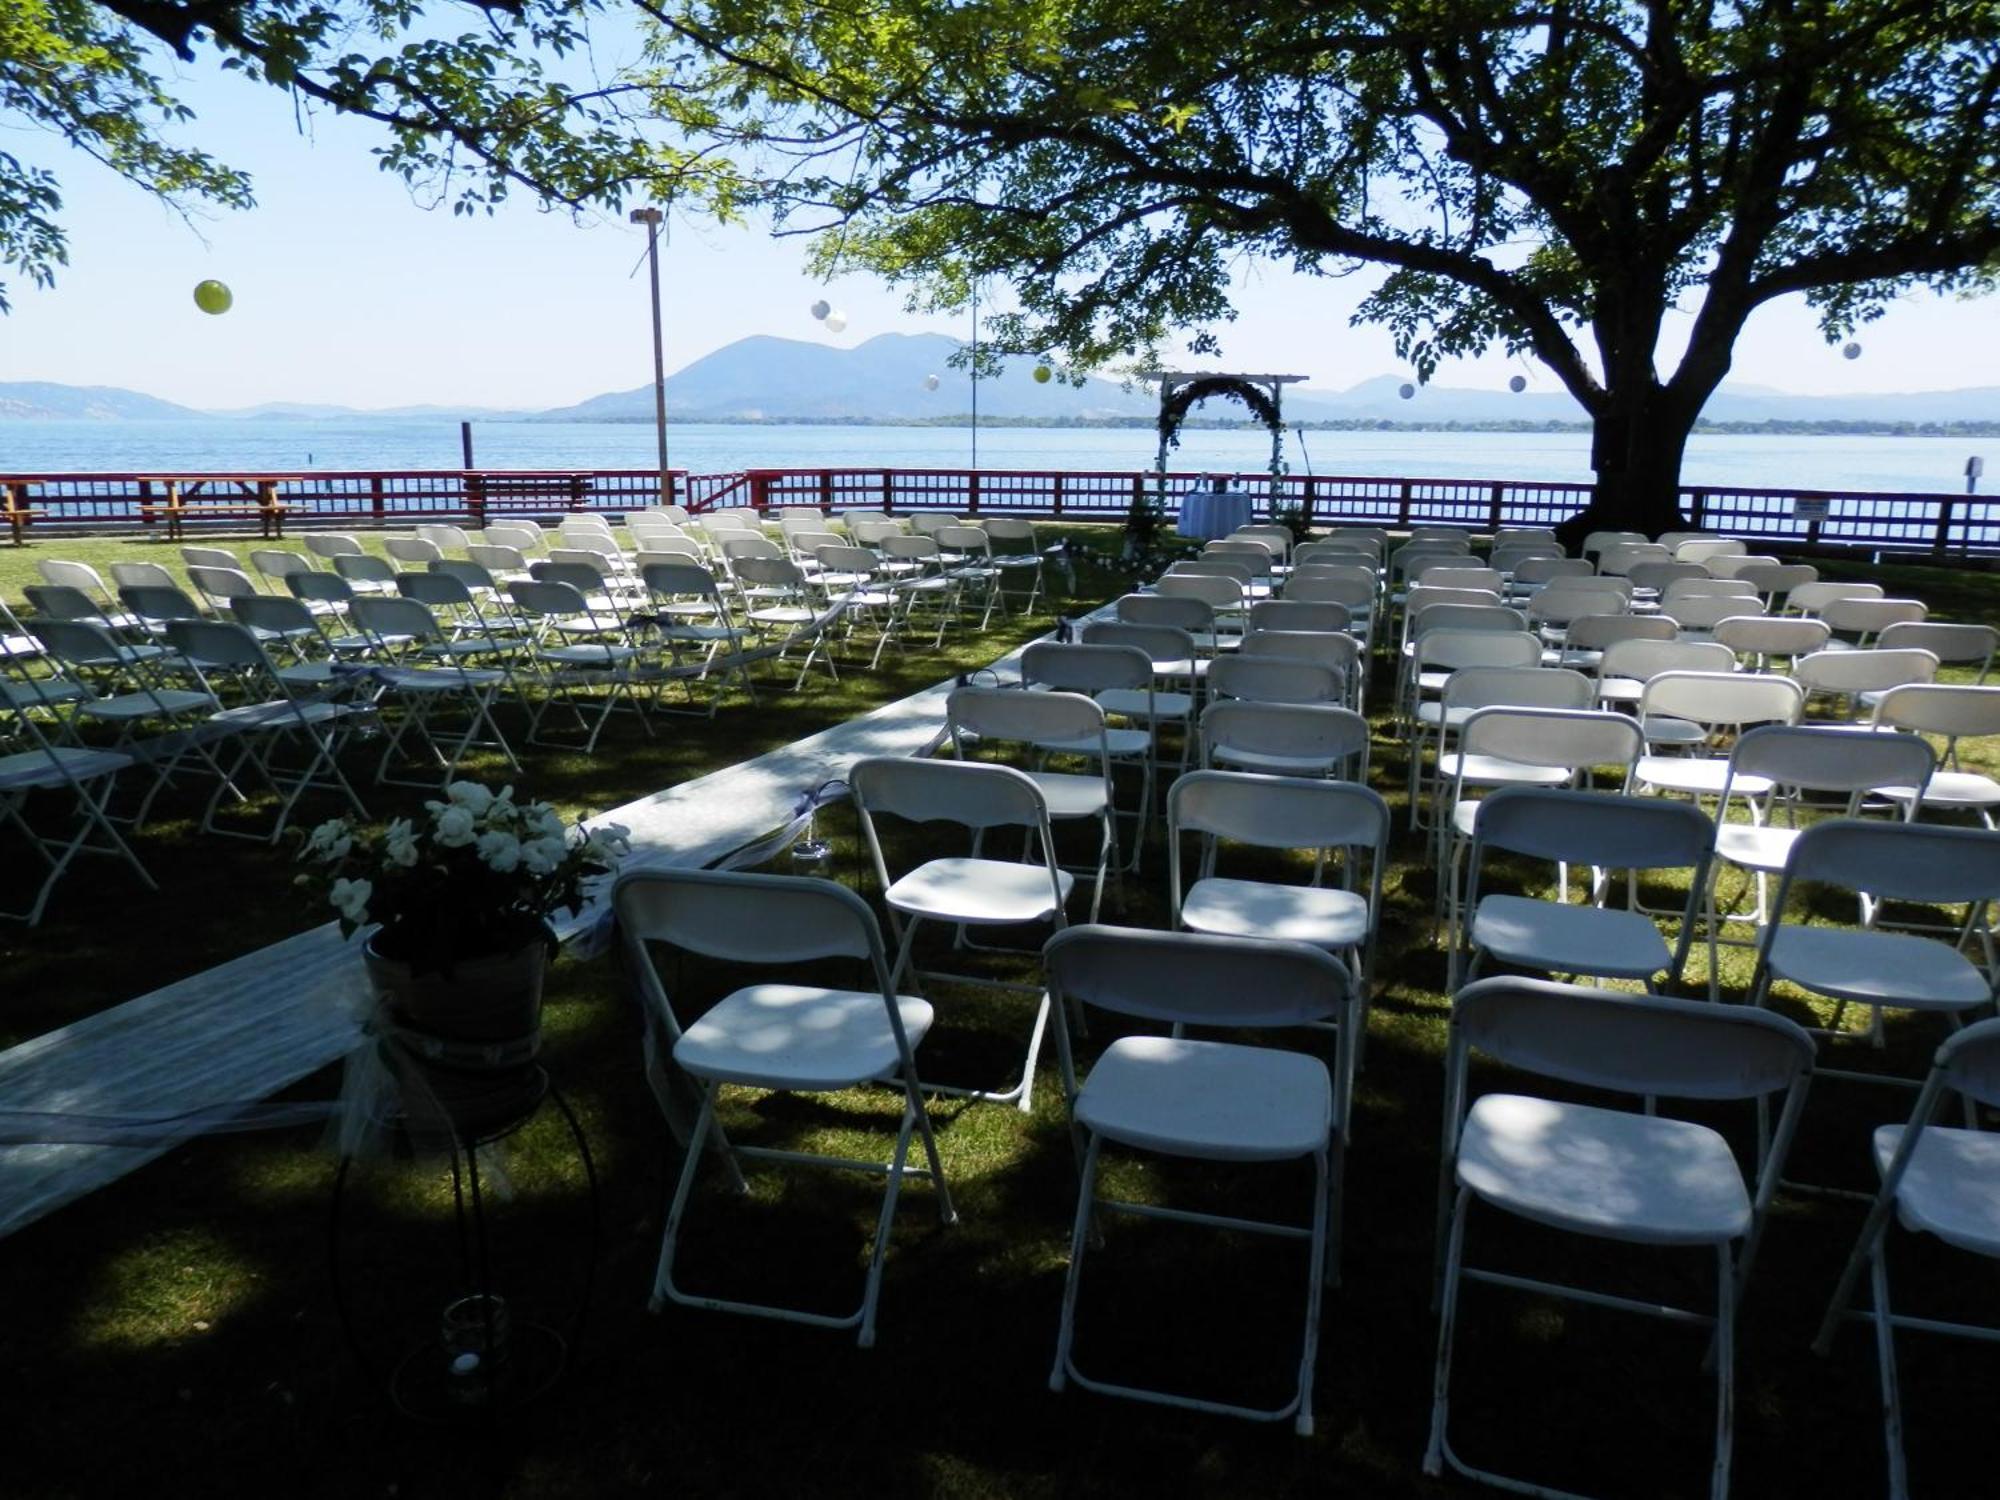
385	618
1027	718
1657	575
222	643
1715	700
1558	603
1928	863
1208	566
1196	616
1774	580
737	548
473	575
1011	529
1772	635
1595	542
1423	597
657	547
539	596
1544	570
76	642
436	590
674	577
1646	659
1164	645
1455	576
330	544
1448	650
768	572
906	548
845	557
159	602
415	550
61	573
1705	588
1601	632
1811	598
1300	730
1197	979
278	613
970	540
1871	671
1085	668
211	557
1314	585
522	536
1705	611
360	567
1700	549
869	530
498	557
1338	552
1299	614
220	583
1866	616
1490	617
582	571
1632	1044
741	917
1518	687
972	794
1335	649
1508	556
1259	555
1570	739
445	538
1221	593
1953	643
320	588
59	601
1274	679
1620	560
142	575
1279	812
929	522
1607	829
1729	565
1818	759
1952	710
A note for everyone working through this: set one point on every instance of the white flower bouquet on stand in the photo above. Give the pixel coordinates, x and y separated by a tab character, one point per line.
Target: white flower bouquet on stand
460	902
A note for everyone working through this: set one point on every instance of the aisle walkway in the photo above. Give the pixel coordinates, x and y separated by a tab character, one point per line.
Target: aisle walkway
257	1024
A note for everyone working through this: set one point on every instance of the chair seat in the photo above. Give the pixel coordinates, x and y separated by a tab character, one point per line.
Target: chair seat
128	707
1699	775
978	891
1755	848
441	679
586	655
1569	939
1951	1187
1072	796
26	770
1132	703
1433	714
1626	690
280	714
1217	1101
1497	770
1120	742
796	1036
1321	915
1895	969
43	691
1662	729
1951	789
1644	1179
1277	765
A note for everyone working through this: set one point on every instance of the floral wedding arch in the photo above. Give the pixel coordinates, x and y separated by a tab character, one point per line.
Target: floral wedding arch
1182	390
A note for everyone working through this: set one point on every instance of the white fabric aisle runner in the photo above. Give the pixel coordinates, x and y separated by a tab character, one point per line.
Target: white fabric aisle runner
257	1024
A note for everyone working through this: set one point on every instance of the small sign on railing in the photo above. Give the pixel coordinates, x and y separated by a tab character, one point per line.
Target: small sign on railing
1810	508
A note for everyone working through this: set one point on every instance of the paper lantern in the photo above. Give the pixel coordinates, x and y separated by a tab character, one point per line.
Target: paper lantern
213	297
1518	384
835	321
1043	374
820	309
1406	390
930	382
1850	351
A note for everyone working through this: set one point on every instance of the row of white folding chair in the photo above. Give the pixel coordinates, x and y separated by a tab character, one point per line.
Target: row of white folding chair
1470	672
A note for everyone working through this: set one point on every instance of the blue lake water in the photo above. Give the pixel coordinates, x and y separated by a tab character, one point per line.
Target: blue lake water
295	446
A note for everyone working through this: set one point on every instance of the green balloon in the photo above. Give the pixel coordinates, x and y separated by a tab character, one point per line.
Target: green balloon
213	297
1043	374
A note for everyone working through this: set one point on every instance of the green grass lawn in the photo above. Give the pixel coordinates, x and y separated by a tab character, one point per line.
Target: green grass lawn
182	1323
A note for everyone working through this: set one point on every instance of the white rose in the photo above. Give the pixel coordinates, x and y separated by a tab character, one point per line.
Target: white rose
456	827
500	851
399	842
331	840
471	796
546	821
350	898
542	855
607	845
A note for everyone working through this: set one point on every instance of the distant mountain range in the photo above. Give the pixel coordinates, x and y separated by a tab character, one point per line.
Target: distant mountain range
888	380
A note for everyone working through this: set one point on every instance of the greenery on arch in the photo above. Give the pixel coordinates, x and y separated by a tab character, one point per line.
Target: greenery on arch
1174	408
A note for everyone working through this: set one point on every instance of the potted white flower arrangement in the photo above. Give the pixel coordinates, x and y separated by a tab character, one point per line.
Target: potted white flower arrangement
460	902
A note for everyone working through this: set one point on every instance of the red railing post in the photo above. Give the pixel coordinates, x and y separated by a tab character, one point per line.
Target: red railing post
376	499
1494	503
1403	505
972	493
1941	541
1058	497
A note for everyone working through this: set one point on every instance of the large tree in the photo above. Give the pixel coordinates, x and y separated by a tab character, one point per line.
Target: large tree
1555	178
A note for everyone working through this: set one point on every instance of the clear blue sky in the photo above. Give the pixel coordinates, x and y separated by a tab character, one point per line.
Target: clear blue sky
349	292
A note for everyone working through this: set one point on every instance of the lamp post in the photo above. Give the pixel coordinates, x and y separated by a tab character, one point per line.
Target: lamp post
652	218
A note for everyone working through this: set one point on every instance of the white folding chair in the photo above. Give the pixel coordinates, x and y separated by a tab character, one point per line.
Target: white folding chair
1953	713
1693	710
965	891
1609	1174
579	645
1954	645
410	660
1285	739
1936	1180
1202	1100
1607	832
1339	819
1924	864
1628	665
1858	679
785	1037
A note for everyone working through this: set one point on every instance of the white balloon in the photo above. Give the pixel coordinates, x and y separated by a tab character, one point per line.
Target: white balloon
1518	384
835	321
820	309
930	382
1851	351
1406	391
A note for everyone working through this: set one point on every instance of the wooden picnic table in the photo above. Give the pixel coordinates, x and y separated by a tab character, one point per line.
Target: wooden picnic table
186	496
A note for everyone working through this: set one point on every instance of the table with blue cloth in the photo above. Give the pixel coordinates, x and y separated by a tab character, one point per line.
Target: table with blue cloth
1213	513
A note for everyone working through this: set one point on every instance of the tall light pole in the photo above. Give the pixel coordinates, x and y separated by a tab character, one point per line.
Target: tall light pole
652	218
975	373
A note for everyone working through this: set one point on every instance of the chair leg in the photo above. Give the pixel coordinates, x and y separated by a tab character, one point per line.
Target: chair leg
663	1275
1434	1453
1725	1372
1079	1234
872	1290
1885	1355
1317	1275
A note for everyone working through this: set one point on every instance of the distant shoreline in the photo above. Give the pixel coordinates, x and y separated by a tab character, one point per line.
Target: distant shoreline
1768	428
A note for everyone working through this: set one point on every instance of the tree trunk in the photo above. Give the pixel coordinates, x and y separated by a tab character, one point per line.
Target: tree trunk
1637	442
